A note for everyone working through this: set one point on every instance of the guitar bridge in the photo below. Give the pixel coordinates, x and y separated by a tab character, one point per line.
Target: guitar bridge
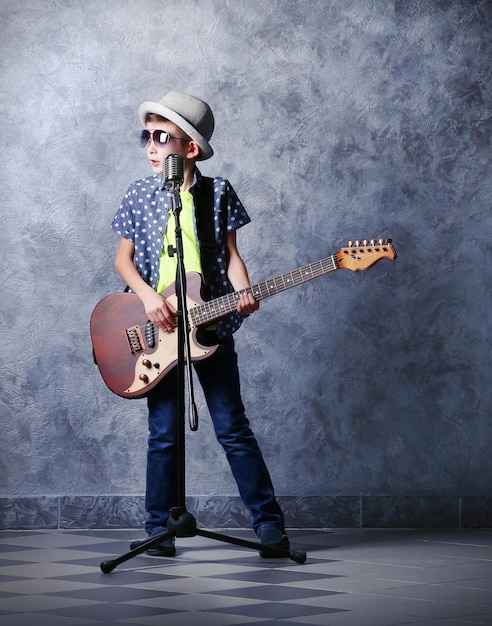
135	339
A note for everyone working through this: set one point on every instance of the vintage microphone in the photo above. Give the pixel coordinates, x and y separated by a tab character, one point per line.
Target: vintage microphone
173	172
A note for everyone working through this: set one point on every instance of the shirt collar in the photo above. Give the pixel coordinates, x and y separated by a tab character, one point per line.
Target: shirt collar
197	180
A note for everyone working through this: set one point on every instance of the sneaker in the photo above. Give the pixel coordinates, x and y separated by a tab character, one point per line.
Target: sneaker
165	548
272	537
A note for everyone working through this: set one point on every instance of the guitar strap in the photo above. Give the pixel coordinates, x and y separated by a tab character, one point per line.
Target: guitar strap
203	197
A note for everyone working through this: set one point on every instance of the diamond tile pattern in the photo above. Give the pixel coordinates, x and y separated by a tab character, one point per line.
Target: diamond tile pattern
355	577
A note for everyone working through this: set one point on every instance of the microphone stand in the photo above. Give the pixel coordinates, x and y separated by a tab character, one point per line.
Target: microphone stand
181	523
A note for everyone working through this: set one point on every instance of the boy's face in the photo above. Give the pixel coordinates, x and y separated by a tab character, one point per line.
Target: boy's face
178	143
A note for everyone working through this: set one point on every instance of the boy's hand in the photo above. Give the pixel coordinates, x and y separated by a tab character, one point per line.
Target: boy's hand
247	304
160	312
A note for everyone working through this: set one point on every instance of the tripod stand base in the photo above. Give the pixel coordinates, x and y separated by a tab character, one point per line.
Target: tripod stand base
183	524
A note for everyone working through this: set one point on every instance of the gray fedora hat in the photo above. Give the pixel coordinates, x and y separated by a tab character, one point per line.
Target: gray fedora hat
191	114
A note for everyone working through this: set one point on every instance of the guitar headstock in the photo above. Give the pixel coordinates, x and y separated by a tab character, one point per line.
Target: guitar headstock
363	255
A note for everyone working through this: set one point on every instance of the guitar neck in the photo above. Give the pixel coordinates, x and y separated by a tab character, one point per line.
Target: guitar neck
215	309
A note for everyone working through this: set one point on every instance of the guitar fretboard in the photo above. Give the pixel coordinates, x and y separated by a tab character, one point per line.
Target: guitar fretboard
215	309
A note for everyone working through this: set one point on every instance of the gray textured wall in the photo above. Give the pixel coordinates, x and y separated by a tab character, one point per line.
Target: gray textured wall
336	120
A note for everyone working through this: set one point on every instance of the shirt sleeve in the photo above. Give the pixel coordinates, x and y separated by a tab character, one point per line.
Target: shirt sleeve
236	215
124	220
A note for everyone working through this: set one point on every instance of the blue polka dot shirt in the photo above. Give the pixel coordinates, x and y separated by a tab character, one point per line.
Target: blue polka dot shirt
142	218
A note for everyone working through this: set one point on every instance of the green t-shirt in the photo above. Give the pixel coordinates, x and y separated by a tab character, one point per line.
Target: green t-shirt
168	265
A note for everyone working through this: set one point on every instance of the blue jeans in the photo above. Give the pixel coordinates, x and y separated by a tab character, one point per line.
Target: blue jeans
219	378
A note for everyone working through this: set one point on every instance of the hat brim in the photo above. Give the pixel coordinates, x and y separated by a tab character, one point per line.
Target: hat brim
206	150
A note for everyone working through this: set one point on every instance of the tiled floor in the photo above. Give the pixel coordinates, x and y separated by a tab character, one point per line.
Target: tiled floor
350	578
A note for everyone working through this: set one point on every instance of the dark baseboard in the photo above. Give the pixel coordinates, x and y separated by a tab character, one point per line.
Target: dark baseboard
359	511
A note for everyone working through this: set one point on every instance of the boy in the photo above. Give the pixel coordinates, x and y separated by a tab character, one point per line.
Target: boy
182	124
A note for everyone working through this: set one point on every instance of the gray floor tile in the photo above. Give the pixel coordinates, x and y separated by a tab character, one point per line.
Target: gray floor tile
351	578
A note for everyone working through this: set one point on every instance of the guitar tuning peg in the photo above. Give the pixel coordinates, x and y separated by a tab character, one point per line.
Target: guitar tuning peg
365	242
350	244
373	242
357	243
381	241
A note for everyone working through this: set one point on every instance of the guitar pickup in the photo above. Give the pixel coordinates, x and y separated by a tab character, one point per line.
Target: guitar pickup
150	334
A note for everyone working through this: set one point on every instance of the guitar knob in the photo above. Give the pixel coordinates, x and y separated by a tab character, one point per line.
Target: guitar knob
350	244
365	242
357	243
146	363
144	378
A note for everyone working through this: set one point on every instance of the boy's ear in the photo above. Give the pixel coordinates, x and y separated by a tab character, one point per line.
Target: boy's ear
193	150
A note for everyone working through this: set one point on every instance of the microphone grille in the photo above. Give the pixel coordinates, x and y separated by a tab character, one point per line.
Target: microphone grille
174	169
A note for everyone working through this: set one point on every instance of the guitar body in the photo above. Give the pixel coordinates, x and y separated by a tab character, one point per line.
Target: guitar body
132	355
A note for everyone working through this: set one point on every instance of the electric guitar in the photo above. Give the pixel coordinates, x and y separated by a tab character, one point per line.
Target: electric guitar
133	355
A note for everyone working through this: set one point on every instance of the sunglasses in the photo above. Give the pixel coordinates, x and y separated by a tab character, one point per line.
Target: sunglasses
159	137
